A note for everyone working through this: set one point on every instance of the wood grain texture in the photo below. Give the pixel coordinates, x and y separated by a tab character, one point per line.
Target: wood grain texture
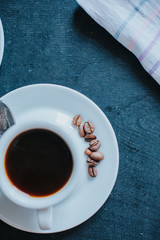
57	42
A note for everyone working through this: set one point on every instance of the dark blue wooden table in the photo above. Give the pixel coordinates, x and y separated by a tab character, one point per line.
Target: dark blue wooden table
57	42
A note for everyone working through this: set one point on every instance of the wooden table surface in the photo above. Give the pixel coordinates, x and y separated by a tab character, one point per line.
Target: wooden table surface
57	42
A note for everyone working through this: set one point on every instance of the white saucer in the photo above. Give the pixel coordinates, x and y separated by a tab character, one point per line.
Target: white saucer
1	41
91	193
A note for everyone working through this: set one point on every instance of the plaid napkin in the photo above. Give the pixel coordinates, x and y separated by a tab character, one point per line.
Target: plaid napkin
135	24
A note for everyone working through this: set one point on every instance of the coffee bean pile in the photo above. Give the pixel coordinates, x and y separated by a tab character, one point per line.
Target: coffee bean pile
86	131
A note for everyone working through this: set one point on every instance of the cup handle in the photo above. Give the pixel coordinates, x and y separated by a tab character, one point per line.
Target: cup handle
45	218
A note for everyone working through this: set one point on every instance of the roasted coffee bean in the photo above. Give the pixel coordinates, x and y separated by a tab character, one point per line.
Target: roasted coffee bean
88	151
89	137
88	127
97	156
81	131
77	120
94	145
92	171
91	162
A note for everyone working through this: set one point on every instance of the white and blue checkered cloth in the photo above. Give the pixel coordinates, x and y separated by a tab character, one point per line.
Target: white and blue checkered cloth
135	24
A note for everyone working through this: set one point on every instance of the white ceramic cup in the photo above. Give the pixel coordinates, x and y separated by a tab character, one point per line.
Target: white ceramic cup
43	205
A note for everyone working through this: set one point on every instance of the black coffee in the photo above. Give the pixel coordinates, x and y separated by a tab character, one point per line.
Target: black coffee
38	162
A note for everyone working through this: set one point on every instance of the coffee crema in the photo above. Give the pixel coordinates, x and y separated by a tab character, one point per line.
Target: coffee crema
38	162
